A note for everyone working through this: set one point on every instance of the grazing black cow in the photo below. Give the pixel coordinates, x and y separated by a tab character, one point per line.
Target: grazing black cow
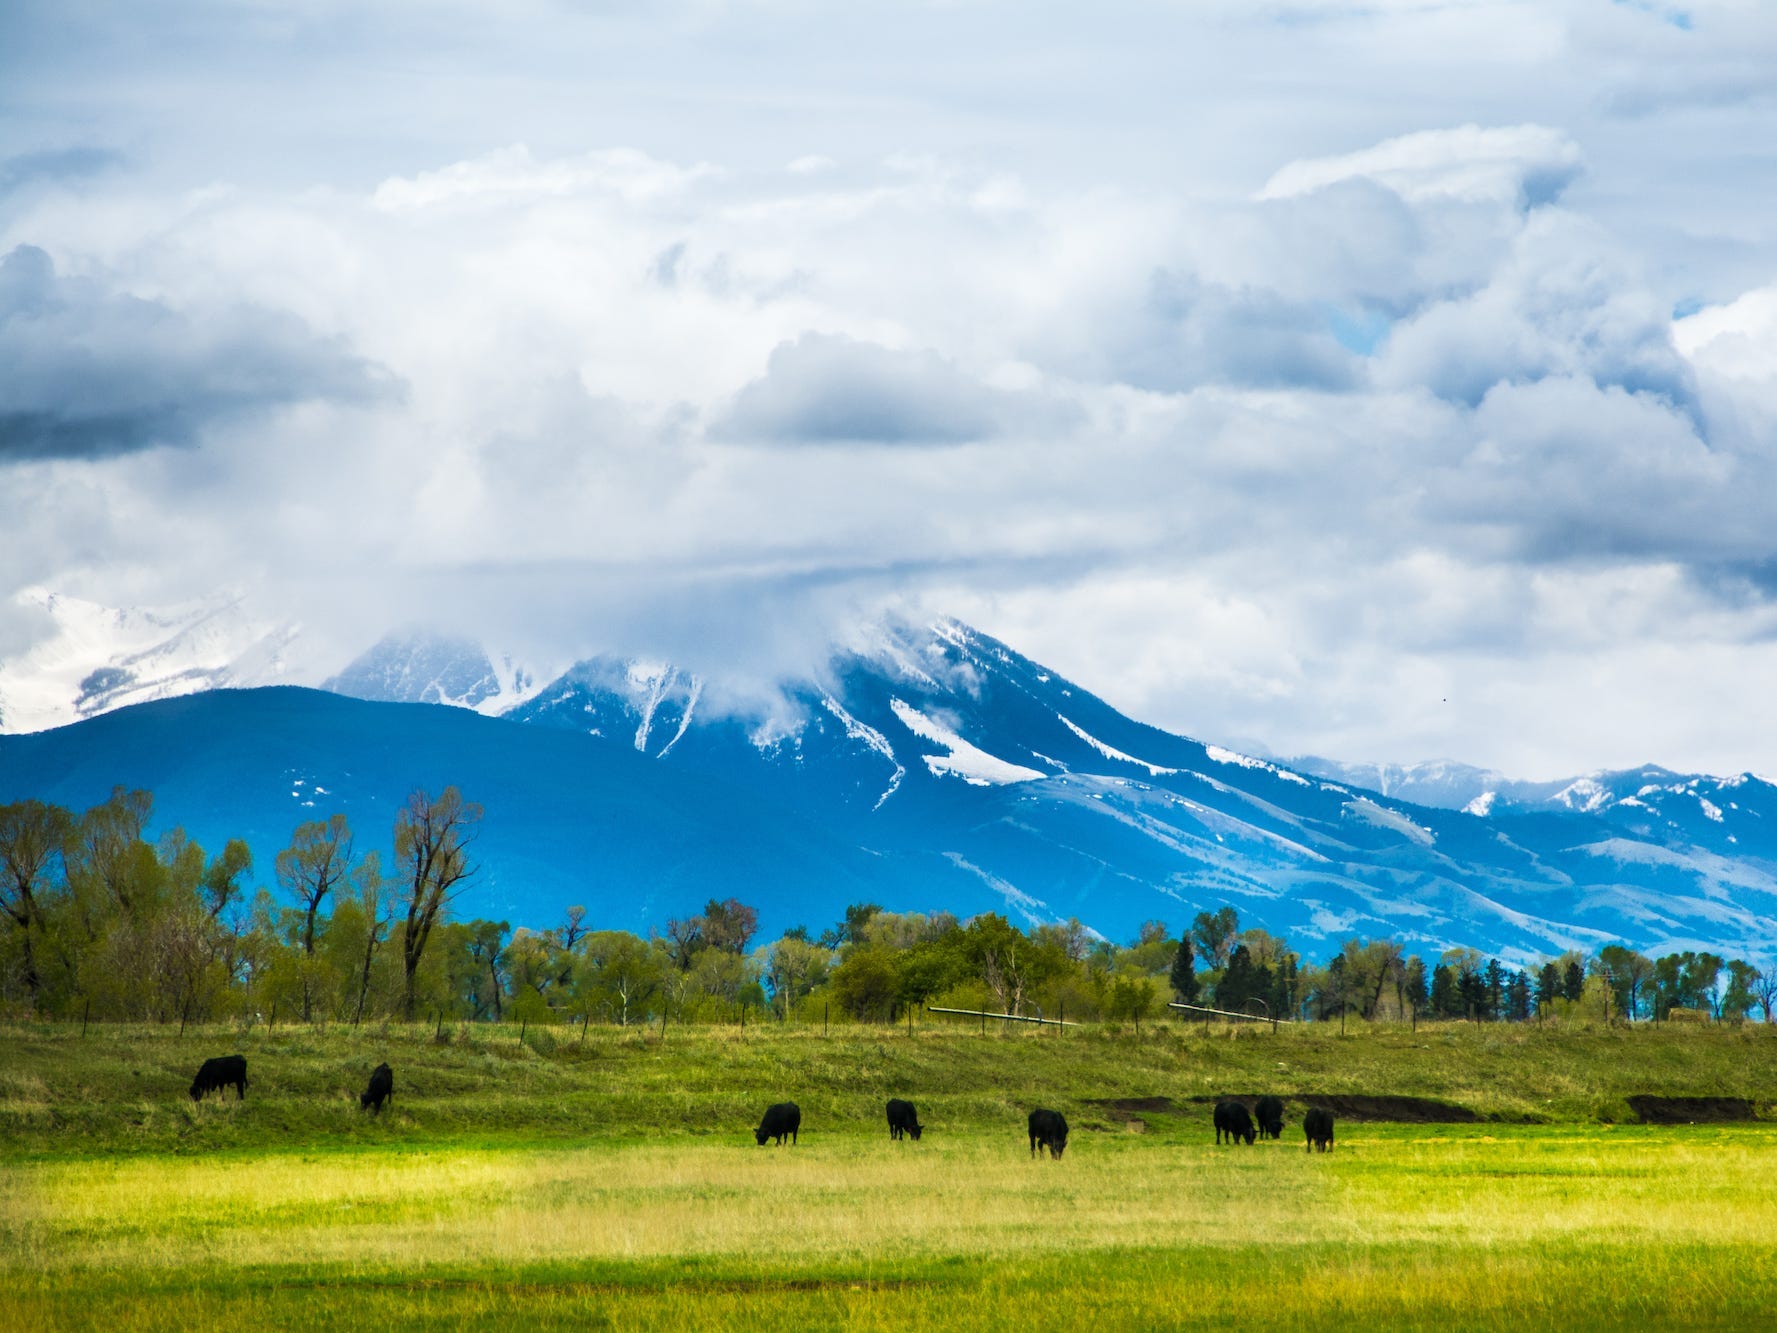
903	1119
1234	1120
217	1074
1318	1126
1269	1114
781	1122
381	1089
1048	1130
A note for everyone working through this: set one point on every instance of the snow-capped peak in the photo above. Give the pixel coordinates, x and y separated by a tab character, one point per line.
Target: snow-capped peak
97	658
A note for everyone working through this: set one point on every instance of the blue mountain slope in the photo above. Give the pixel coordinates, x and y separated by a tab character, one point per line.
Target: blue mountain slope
932	768
567	820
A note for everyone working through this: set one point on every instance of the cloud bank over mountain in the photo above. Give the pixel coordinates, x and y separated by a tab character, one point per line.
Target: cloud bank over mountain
1383	382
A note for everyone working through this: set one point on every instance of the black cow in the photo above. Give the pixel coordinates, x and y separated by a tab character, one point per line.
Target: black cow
217	1074
781	1122
381	1089
903	1119
1234	1120
1317	1125
1269	1114
1048	1130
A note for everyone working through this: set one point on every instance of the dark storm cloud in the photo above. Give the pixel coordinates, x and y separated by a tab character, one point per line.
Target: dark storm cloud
823	388
92	372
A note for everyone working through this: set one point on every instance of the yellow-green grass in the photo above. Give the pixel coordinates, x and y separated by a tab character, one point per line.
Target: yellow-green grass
1472	1226
614	1182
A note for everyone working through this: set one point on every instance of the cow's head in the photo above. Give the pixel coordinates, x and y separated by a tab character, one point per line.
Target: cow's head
760	1135
1056	1145
197	1090
916	1131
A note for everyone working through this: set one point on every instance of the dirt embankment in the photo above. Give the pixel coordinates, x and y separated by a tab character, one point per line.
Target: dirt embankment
1691	1110
1346	1106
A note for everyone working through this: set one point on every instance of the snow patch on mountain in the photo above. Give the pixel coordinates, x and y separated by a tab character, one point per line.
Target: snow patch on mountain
685	717
1583	794
974	766
1110	752
1034	910
650	680
1368	811
871	737
1222	756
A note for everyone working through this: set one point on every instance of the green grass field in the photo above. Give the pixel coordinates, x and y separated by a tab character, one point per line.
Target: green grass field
615	1183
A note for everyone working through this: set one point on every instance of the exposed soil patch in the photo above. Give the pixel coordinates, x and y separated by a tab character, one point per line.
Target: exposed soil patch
1354	1106
1691	1110
1122	1108
1402	1110
1128	1111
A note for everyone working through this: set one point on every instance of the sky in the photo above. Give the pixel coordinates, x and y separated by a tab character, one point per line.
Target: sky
1384	381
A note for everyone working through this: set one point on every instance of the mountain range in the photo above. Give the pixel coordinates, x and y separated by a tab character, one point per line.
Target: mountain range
921	767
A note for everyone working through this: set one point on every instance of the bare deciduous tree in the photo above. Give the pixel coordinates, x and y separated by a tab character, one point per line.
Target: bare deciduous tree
432	839
318	858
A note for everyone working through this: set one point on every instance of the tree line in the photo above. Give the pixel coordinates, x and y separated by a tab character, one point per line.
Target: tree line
104	924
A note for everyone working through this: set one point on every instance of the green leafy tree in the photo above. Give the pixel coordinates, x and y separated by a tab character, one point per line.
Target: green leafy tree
1742	991
1213	933
866	983
619	975
32	836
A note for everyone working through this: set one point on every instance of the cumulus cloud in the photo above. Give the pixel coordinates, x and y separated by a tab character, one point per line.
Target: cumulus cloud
1283	416
92	372
822	388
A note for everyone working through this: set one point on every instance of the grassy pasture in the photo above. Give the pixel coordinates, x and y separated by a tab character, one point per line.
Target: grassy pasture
615	1184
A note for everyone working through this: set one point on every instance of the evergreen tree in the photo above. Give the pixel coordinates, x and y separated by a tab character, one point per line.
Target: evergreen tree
1495	1003
1573	980
1445	1002
1471	989
1413	986
1184	973
1239	981
1548	985
1518	998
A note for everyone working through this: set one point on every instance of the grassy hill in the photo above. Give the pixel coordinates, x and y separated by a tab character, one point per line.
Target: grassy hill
123	1089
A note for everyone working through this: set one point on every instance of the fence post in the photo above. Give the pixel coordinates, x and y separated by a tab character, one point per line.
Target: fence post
1060	1017
85	1014
909	1020
824	1009
521	1027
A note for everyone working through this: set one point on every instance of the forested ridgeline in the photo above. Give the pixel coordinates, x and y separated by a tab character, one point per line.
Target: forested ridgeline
103	925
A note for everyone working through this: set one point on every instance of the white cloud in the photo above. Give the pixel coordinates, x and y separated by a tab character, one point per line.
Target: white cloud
1519	165
1245	388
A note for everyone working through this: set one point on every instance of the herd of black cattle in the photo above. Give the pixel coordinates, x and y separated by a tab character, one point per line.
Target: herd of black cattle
1233	1122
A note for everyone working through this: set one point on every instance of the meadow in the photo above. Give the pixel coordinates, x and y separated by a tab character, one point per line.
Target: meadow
614	1182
